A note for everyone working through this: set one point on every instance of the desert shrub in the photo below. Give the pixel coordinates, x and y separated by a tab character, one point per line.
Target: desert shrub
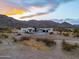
18	34
76	31
48	42
0	41
29	33
51	33
63	42
66	34
4	36
35	45
24	38
68	47
76	45
5	30
14	39
38	39
76	35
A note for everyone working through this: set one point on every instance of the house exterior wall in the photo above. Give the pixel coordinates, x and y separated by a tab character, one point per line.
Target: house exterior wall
39	30
27	30
46	29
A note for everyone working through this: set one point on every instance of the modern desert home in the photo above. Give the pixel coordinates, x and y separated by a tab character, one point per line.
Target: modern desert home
27	30
46	30
36	30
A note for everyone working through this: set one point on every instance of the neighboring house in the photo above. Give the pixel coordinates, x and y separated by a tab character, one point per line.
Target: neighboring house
36	30
27	30
46	30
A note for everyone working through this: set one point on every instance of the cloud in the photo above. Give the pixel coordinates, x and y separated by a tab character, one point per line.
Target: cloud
43	6
65	1
39	14
29	3
34	7
8	8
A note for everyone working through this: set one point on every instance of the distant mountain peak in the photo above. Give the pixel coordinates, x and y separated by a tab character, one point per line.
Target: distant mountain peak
11	22
66	23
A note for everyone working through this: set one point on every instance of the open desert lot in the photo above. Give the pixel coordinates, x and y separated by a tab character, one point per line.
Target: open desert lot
16	50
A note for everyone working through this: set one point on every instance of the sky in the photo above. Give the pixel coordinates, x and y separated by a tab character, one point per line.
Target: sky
55	10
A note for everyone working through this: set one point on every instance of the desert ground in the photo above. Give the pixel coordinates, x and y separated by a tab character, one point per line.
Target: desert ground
14	50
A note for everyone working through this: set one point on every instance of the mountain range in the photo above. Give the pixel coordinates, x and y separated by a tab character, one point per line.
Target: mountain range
6	21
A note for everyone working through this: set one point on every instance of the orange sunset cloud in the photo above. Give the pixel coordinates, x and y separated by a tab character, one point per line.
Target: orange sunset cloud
14	12
9	10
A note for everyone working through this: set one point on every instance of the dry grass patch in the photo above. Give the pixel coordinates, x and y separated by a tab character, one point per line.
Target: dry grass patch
47	41
35	45
23	38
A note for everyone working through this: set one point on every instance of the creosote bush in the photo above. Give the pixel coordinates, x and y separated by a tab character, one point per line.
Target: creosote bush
3	35
66	34
76	35
51	33
0	41
21	39
76	45
14	39
76	32
5	30
69	47
48	42
18	34
25	38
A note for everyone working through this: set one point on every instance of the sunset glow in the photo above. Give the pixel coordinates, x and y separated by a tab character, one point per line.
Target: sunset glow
36	9
14	12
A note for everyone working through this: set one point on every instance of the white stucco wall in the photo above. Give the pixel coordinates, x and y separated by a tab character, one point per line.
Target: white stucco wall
39	30
26	29
49	29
